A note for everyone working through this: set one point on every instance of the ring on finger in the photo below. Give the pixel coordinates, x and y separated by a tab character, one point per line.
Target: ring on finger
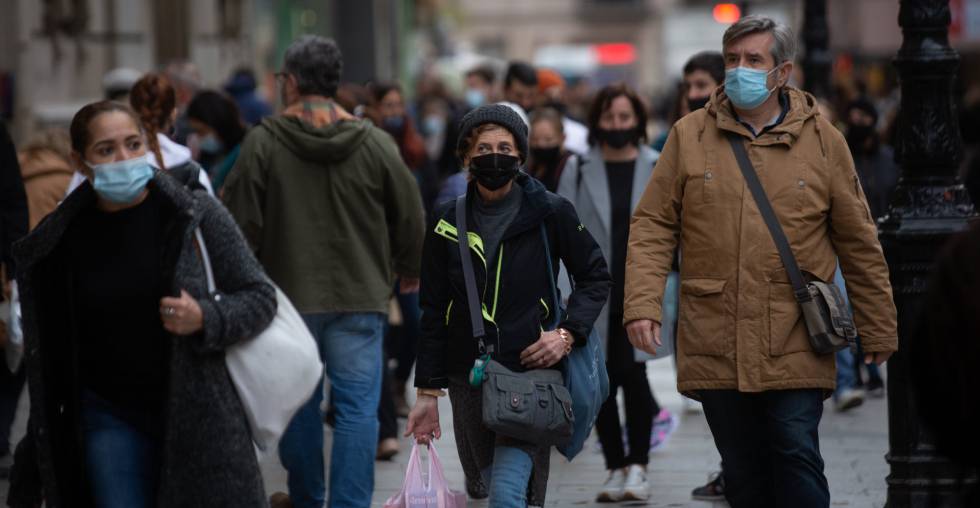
169	311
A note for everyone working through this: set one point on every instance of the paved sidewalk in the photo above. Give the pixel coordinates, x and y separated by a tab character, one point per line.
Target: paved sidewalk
853	446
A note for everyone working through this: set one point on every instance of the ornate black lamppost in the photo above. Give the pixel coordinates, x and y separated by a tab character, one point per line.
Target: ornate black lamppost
817	59
929	206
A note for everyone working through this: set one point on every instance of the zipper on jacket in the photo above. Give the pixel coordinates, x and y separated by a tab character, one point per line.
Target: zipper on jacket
448	310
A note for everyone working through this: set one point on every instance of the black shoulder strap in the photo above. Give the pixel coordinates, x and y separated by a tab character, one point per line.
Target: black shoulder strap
472	300
769	215
556	303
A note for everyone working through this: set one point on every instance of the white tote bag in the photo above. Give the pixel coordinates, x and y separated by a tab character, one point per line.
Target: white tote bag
276	371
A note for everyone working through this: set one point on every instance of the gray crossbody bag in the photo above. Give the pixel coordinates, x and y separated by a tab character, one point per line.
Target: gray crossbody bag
825	312
533	406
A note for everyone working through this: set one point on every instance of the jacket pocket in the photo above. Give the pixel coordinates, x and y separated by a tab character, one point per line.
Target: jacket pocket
705	326
787	330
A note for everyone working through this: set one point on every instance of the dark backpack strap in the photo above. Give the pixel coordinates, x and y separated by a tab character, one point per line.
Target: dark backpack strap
472	299
769	215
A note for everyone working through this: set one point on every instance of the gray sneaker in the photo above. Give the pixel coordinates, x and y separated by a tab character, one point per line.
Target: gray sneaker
849	399
636	488
612	490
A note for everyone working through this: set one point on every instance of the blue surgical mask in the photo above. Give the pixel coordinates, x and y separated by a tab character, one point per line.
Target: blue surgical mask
433	125
475	98
211	145
747	87
123	181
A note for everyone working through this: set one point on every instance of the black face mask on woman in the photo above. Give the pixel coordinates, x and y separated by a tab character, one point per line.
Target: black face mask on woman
547	156
494	170
617	138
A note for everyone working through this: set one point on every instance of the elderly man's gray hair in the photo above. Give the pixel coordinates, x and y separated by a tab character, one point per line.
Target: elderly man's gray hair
316	63
784	42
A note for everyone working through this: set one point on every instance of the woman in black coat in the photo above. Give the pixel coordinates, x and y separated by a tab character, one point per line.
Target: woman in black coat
506	209
131	402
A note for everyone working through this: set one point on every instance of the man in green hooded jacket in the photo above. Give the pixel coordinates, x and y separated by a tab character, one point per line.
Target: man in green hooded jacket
334	216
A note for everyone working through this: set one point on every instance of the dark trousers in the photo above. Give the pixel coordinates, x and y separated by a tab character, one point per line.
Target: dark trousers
770	451
641	407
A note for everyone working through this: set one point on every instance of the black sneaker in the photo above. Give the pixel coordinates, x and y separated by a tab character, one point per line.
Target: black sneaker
875	388
714	490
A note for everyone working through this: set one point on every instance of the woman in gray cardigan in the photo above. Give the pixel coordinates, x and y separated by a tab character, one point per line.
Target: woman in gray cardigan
131	402
605	185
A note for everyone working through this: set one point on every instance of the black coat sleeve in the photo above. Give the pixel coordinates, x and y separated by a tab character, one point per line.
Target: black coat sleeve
13	200
587	267
430	366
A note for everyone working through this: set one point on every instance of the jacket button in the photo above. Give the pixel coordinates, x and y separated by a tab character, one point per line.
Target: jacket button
217	298
708	176
801	183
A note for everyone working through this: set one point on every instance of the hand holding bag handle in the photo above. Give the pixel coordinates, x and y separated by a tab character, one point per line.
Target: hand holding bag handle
826	314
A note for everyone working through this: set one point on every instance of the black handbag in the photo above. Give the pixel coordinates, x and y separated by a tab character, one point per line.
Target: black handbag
533	406
826	314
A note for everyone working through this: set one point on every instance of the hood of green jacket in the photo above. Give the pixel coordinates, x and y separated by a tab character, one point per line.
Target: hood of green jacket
332	142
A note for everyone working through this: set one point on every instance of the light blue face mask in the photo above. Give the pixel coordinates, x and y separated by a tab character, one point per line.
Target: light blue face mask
123	181
475	98
210	144
747	87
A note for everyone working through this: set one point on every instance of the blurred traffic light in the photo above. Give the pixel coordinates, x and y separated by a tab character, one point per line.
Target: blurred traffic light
727	13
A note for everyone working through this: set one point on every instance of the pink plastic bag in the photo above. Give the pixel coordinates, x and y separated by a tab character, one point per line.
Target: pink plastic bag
416	494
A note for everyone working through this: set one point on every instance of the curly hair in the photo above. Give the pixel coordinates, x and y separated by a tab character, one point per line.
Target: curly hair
153	100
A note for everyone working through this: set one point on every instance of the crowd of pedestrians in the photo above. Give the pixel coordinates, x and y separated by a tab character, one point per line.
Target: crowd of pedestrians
374	213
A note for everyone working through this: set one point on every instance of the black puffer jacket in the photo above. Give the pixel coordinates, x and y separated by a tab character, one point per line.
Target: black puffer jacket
208	456
516	292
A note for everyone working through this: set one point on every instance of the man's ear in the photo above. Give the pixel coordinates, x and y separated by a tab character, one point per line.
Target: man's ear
786	73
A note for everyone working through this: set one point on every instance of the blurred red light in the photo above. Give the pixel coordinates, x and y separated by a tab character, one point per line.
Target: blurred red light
727	13
620	53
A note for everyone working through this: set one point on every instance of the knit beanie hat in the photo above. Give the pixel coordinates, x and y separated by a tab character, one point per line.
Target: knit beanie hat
498	114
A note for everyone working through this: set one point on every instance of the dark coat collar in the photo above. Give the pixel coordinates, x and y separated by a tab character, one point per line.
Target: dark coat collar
536	205
46	236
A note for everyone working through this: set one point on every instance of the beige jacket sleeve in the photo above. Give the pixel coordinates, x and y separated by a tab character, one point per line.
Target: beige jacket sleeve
861	258
654	233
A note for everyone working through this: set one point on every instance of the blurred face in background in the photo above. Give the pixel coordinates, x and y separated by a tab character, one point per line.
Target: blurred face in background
698	86
521	94
619	115
544	135
478	91
392	105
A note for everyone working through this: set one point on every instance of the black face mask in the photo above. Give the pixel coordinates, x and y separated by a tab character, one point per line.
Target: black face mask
547	156
699	103
395	125
494	170
617	138
857	135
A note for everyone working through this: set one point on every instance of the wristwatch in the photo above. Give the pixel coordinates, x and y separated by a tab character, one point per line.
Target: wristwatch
566	337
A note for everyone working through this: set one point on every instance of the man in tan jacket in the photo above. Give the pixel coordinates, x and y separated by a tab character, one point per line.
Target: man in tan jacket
742	347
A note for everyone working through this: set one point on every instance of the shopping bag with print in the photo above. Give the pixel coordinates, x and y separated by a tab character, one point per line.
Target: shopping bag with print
416	493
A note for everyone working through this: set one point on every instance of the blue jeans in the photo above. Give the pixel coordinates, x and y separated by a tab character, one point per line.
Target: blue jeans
508	477
770	450
123	462
351	349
